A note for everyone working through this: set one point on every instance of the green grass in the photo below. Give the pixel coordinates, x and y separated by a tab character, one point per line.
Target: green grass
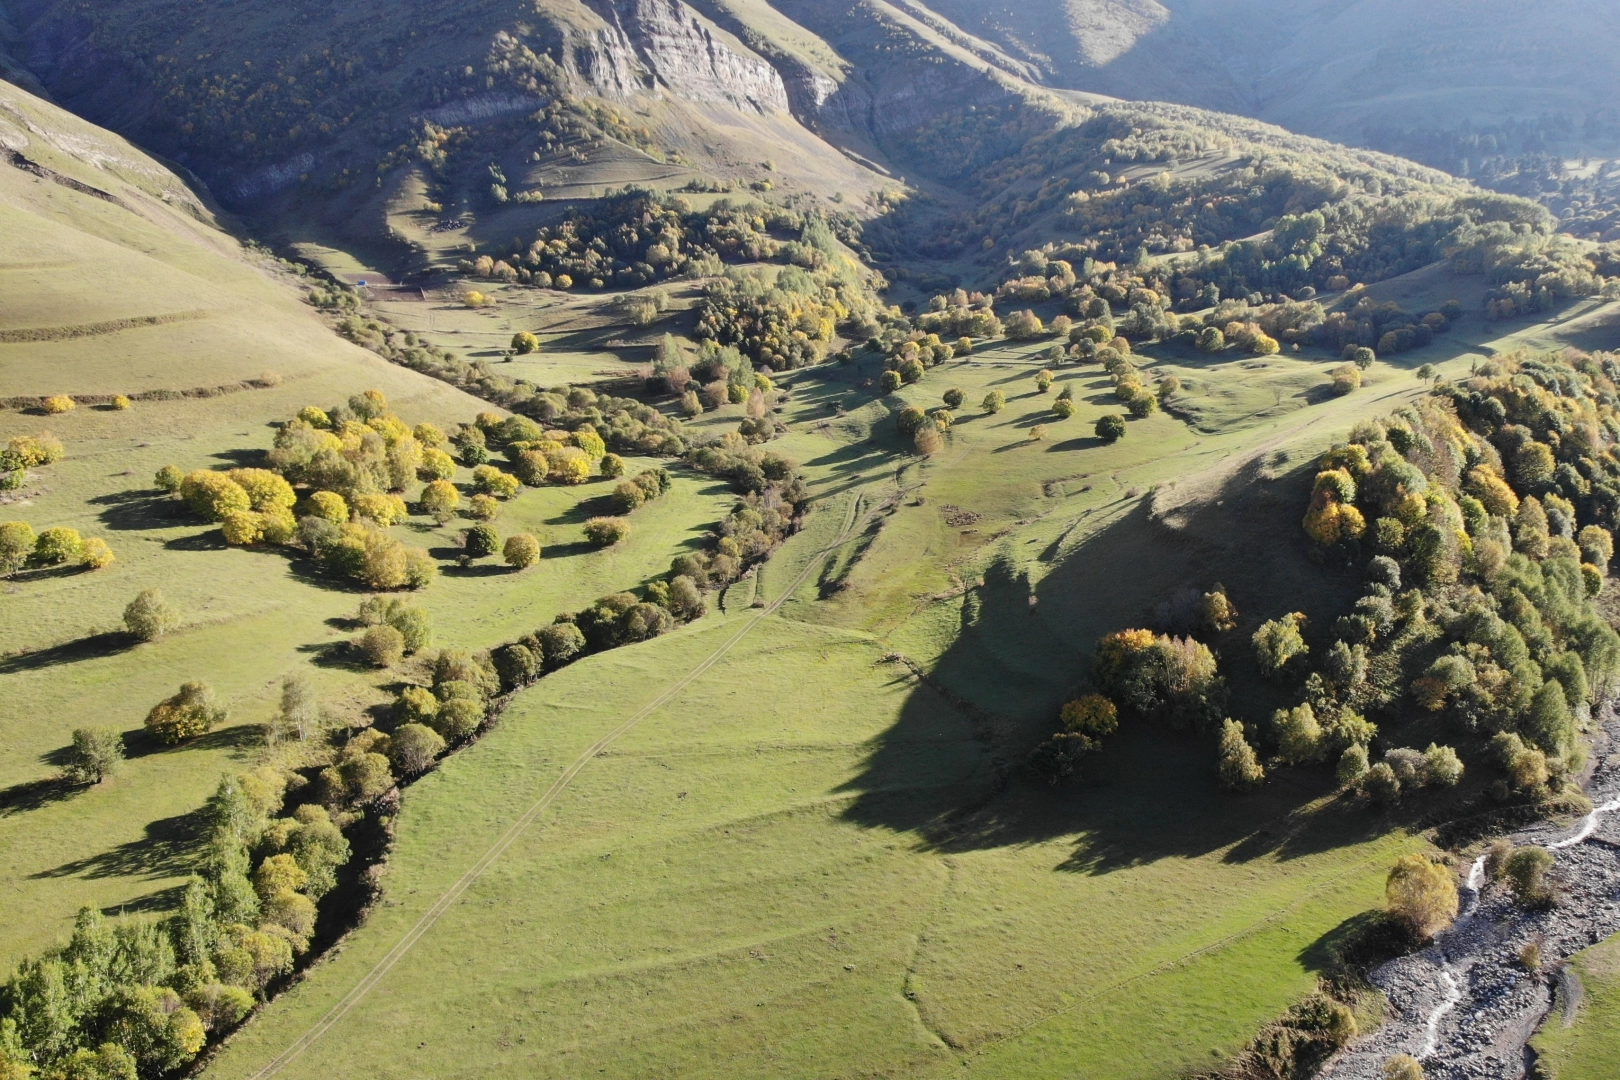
251	617
1583	1043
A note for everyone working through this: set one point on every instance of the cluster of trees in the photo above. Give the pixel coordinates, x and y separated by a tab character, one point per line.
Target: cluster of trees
394	627
635	237
1494	500
24	452
142	996
59	545
786	320
640	489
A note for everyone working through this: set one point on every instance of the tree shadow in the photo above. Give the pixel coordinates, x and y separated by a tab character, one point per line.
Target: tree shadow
94	647
240	458
168	849
476	570
211	539
34	794
336	655
138	744
568	551
152	903
1081	442
951	768
130	511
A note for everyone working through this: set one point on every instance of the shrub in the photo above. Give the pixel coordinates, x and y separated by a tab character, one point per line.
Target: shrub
149	616
96	754
570	465
1278	644
1346	378
168	479
458	718
489	480
435	465
521	550
265	489
562	642
192	711
910	370
1402	1066
1380	784
1352	765
481	540
1526	871
1299	735
524	343
382	646
1059	757
416	705
994	402
1043	380
928	441
213	495
482	508
1092	715
889	382
1239	768
1063	408
413	748
57	404
1441	766
517	665
954	397
58	545
1421	896
328	506
612	466
440	500
1037	433
606	531
96	554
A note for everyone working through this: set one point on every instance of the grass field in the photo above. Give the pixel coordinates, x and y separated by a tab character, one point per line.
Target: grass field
807	862
1580	1040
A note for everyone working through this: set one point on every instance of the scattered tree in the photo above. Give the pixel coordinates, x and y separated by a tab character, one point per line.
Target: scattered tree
382	646
1421	896
414	747
96	754
607	531
1239	768
149	616
1526	871
521	550
193	711
57	546
1110	427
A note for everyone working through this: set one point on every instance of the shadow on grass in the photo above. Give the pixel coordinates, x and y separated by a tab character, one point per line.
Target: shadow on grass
34	794
241	459
211	539
951	770
338	655
169	849
494	568
1083	442
128	511
94	647
161	900
568	551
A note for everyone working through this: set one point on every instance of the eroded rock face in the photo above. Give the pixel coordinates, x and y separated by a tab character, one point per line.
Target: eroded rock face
663	45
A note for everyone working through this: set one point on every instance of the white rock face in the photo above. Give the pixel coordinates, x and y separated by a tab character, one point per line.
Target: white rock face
664	46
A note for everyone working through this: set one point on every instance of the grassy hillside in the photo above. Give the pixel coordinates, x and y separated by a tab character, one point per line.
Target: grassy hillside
742	883
1578	1040
89	281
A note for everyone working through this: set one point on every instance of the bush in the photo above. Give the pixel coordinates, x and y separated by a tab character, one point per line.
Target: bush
413	748
458	718
57	546
58	404
1092	715
440	500
1352	765
562	642
1380	784
1346	379
521	550
524	343
1059	757
213	495
1402	1066
1239	768
168	479
1421	896
96	754
382	646
994	402
612	466
1063	408
606	531
1279	645
481	540
96	554
149	616
954	397
1526	871
517	665
17	542
488	480
889	382
192	711
928	441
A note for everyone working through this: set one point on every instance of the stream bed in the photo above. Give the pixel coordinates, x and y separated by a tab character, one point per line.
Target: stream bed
1465	1006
